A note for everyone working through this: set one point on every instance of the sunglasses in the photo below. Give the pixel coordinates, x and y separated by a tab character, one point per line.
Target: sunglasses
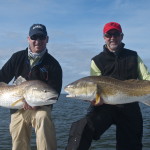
109	35
36	37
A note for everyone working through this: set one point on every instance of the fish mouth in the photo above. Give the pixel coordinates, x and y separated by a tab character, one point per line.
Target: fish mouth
52	98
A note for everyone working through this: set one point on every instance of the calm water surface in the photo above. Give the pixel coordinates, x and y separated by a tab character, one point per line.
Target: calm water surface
65	112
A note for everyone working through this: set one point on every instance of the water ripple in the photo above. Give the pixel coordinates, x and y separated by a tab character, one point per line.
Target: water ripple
65	112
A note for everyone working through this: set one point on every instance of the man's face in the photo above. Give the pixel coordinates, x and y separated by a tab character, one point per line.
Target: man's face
37	43
113	39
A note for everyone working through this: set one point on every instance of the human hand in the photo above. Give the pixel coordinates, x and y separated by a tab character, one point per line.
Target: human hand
26	106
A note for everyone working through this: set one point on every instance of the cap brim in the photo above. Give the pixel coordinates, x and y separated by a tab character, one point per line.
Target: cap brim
112	29
37	32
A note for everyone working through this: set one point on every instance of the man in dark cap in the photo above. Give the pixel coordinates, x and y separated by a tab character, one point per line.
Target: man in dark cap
123	64
33	63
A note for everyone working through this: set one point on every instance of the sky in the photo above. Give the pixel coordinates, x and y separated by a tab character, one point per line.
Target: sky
74	28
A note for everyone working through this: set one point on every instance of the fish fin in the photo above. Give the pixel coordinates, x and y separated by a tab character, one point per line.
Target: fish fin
147	102
136	81
130	80
97	99
20	100
3	84
19	80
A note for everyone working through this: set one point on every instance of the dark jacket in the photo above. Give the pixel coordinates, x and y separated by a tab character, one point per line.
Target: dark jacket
120	65
48	69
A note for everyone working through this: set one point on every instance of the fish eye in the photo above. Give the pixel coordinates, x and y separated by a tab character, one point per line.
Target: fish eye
44	91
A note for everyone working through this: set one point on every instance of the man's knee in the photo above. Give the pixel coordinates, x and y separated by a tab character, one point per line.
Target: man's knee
42	118
43	113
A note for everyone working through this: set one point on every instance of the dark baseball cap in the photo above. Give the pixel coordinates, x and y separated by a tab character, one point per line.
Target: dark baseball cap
37	29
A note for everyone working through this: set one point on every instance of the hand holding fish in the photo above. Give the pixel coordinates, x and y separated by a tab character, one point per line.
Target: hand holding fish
26	106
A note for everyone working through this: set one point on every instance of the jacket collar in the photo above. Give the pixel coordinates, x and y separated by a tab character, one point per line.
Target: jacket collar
106	50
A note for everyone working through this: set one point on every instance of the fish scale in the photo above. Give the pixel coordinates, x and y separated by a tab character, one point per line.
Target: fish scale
34	92
111	90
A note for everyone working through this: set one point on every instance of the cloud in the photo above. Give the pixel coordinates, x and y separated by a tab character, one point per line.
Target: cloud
75	29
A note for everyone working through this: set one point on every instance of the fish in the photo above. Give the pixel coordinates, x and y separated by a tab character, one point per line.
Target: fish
34	92
109	90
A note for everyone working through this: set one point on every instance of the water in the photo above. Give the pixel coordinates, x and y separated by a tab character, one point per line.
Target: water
65	112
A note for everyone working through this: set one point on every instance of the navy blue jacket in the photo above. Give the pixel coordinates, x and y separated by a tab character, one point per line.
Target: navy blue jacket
47	70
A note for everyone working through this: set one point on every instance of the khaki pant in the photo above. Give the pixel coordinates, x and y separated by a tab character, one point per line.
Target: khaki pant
21	126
